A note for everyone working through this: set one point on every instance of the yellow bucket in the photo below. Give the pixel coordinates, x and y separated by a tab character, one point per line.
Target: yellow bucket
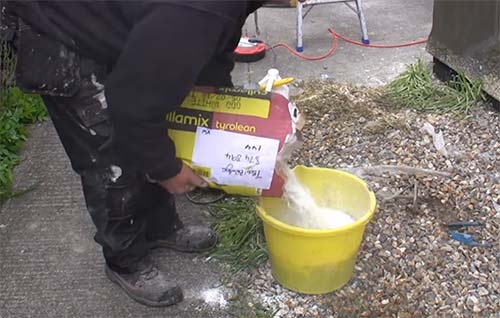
318	261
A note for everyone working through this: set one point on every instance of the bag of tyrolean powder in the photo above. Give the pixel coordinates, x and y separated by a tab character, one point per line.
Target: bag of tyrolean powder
233	137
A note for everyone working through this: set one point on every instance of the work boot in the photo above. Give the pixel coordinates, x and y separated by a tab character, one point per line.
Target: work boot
147	286
189	239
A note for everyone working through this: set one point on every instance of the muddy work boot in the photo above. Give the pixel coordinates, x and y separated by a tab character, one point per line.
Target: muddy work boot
147	286
189	239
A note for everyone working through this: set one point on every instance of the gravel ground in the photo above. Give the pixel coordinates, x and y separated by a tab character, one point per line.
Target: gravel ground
408	265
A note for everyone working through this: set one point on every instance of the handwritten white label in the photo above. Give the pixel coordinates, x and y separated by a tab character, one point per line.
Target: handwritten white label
236	159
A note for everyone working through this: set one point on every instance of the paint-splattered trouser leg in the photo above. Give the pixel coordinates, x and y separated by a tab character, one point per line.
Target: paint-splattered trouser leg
127	210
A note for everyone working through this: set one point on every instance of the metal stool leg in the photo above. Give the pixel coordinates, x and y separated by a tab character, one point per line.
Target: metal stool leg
361	16
256	20
300	46
359	11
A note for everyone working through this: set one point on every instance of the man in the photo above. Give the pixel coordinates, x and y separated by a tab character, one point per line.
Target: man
109	72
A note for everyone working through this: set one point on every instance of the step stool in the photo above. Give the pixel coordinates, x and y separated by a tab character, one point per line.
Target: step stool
311	3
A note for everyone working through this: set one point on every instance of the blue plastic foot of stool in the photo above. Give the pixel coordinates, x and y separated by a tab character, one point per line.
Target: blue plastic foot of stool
300	48
365	41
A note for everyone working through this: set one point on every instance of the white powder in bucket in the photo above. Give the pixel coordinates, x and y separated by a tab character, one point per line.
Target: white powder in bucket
303	211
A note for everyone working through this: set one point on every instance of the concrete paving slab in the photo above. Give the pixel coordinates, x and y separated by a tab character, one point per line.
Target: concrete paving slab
388	21
50	265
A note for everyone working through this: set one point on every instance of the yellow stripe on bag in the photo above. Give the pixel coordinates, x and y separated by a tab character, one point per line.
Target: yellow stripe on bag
228	104
202	171
245	191
184	143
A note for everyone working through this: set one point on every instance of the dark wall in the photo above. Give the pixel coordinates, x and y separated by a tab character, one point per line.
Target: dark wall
465	35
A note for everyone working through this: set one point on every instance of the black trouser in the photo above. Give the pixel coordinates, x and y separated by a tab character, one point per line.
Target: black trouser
128	211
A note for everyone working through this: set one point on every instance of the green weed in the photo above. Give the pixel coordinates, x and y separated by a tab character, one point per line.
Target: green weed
17	111
242	243
7	65
416	88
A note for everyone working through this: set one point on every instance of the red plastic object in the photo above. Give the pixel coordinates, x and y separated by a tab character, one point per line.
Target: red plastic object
250	50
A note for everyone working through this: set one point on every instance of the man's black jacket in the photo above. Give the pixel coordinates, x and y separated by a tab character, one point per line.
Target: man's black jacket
157	51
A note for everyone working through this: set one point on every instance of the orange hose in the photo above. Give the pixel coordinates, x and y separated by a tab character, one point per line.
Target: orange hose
337	36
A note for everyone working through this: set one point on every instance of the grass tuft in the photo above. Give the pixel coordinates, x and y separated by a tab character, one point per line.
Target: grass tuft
242	243
416	88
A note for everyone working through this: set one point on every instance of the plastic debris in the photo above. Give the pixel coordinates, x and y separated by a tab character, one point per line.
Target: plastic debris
437	138
464	224
466	238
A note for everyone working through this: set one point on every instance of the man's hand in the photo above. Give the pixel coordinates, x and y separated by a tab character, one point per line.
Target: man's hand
185	181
